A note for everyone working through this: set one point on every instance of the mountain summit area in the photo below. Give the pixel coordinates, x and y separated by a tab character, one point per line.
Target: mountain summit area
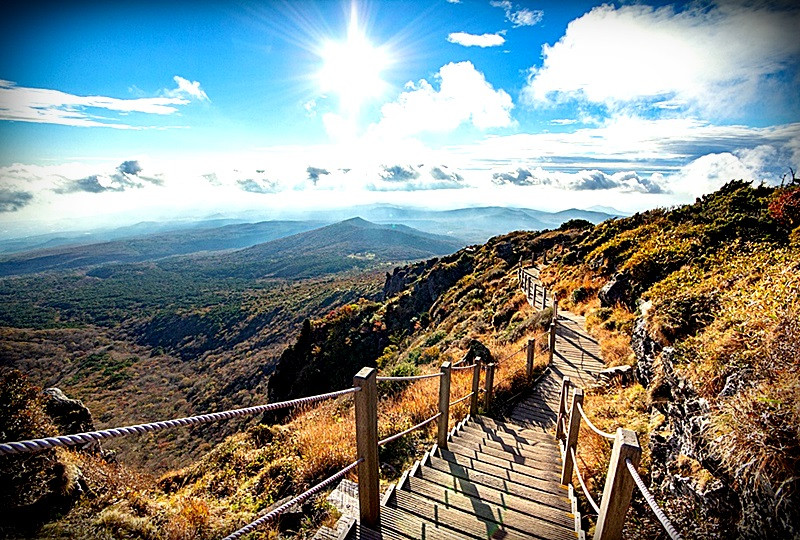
700	300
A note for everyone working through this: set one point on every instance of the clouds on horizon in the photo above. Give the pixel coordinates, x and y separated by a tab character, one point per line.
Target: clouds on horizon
42	105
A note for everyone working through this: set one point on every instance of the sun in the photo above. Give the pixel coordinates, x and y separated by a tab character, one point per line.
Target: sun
352	69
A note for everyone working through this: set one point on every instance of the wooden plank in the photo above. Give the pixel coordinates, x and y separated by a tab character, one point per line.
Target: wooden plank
534	442
557	516
481	523
546	486
504	517
535	471
397	523
509	444
508	427
545	462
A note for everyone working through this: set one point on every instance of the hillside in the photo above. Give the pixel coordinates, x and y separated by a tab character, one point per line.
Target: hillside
701	299
351	244
150	247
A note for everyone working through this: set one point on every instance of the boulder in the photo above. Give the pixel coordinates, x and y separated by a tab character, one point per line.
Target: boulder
69	415
622	373
478	350
618	290
645	348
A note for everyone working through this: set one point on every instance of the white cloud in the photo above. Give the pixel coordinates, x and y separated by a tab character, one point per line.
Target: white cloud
584	180
42	105
464	96
520	16
713	58
453	1
188	88
476	40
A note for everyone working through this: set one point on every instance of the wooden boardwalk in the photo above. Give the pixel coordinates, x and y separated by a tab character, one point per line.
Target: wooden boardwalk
496	478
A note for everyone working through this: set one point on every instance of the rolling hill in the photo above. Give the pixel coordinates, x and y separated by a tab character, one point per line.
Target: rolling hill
351	244
150	247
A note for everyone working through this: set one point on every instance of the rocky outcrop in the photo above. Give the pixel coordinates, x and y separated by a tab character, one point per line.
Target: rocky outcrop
70	415
478	350
645	348
619	290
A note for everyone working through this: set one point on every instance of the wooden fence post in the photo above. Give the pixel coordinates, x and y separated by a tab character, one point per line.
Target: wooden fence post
531	352
367	446
619	486
444	404
555	306
551	342
489	384
533	297
476	384
562	407
572	435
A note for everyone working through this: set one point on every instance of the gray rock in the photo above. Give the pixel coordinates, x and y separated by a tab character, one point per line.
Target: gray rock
622	373
618	290
645	348
69	415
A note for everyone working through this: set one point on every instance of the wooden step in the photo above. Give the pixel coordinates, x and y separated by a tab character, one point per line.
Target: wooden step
539	444
486	511
494	496
479	522
509	427
536	470
543	462
543	449
544	485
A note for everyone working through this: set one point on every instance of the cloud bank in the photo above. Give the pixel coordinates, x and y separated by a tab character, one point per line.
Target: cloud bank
710	59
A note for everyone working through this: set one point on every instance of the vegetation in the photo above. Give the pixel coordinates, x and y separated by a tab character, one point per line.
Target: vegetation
720	278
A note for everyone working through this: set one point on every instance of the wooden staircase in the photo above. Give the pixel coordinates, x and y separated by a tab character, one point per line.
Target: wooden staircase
495	480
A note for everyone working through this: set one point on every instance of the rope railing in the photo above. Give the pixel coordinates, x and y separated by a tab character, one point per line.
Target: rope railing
461	368
583	484
37	445
665	522
593	427
297	500
409	377
396	436
459	400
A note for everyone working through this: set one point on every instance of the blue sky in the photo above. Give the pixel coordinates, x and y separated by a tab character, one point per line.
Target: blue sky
117	113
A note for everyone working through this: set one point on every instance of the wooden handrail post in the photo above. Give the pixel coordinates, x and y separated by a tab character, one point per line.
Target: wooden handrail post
533	297
572	435
562	407
367	446
489	384
555	306
444	404
552	342
531	352
619	486
476	384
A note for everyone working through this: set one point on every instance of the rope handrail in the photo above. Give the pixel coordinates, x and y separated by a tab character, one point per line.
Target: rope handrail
593	427
580	479
665	522
460	368
409	430
300	498
459	400
36	445
463	359
410	377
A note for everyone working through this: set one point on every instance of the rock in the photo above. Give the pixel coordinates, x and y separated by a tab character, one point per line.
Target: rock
617	291
735	382
69	415
645	348
478	350
622	373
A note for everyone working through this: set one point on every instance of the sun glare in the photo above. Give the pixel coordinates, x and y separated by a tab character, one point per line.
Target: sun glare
352	69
